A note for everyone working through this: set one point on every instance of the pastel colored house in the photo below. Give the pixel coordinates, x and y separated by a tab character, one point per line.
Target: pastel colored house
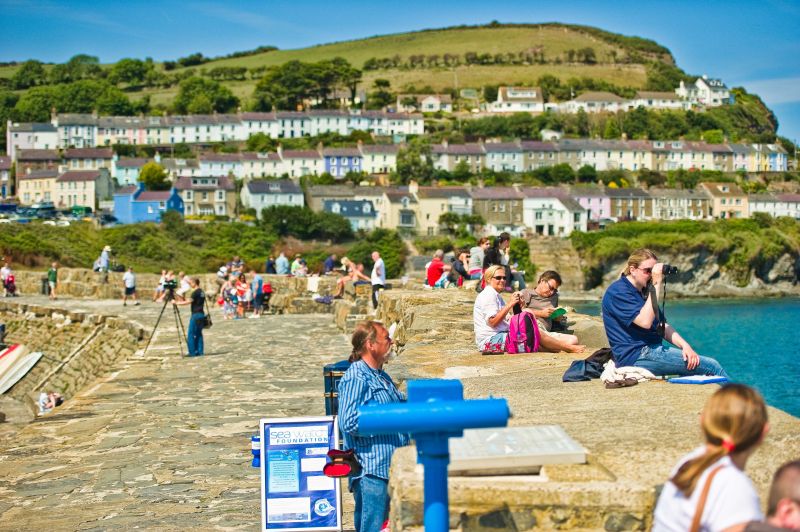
126	169
659	100
262	194
6	186
425	103
432	202
727	200
36	186
135	204
341	161
29	136
360	213
266	164
221	164
75	130
504	156
297	163
401	210
446	156
83	188
594	199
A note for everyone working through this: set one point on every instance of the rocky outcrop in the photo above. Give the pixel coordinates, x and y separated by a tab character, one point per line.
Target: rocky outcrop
700	275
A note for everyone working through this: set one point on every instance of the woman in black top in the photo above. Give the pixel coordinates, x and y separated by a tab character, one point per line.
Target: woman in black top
498	254
194	335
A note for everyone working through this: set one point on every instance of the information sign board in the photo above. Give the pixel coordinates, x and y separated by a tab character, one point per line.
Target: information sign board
295	494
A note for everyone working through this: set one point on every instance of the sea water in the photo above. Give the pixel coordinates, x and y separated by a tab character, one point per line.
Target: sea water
756	341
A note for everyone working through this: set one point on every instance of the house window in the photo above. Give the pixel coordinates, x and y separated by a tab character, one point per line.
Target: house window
407	218
205	196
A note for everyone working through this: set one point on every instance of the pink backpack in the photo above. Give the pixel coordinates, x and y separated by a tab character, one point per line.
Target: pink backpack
523	334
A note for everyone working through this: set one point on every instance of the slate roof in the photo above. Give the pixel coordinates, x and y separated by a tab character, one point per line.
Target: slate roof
396	195
300	154
78	175
38	174
470	148
131	162
626	193
263	156
274	186
536	146
341	152
351	208
221	158
186	183
677	193
379	149
5	163
32	127
89	153
38	155
443	192
502	147
499	193
259	117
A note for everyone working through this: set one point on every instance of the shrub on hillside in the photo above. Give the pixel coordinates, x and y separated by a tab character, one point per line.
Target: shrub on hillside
388	243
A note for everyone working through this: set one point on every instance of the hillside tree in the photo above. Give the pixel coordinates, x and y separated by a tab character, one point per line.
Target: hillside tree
154	177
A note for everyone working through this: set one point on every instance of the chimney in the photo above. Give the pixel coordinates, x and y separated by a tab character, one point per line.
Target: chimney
279	149
413	187
157	157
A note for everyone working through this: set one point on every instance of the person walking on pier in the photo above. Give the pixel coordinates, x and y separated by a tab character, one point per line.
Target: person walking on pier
378	278
52	280
129	287
365	383
194	336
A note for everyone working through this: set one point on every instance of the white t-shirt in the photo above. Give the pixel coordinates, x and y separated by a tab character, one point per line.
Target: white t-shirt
731	500
379	272
129	279
4	271
487	304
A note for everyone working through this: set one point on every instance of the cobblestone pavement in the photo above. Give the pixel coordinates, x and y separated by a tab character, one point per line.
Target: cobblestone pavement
163	442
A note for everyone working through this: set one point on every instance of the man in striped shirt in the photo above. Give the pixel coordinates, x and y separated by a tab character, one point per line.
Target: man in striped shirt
364	383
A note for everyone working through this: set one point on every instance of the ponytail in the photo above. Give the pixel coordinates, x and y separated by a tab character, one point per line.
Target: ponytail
733	421
364	331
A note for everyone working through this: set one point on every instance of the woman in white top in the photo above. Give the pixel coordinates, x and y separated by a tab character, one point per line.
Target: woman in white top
734	422
491	314
476	258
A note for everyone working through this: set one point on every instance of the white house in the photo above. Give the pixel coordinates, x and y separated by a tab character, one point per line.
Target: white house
262	165
706	91
425	103
298	163
504	156
518	100
378	159
261	194
221	164
548	211
659	100
594	102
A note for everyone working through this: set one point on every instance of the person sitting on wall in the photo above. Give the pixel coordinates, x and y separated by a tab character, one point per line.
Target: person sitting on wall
436	269
634	326
542	301
491	315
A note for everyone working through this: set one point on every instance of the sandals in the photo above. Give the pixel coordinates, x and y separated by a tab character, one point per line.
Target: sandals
624	383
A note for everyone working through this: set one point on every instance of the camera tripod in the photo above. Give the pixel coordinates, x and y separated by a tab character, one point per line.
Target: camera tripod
170	295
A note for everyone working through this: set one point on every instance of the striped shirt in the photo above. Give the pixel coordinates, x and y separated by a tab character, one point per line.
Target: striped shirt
363	385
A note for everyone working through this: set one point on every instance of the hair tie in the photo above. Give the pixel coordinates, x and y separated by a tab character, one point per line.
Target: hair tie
728	445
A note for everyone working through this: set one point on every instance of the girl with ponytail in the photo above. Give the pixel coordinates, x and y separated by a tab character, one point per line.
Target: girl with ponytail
709	490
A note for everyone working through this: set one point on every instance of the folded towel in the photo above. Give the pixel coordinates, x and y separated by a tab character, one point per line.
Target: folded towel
611	373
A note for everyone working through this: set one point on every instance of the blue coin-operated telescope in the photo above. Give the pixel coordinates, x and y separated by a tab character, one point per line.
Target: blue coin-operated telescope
435	411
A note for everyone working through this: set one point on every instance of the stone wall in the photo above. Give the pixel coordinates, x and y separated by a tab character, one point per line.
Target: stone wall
634	436
78	347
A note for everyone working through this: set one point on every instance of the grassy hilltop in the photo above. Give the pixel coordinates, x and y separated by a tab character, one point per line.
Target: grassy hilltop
618	59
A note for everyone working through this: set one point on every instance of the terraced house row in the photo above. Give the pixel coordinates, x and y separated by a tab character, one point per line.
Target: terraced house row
91	130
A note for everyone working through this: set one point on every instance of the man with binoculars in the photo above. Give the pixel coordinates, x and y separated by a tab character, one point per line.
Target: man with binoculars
635	327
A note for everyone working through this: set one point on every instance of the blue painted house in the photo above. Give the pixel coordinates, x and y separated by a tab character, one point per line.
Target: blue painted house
360	213
135	204
340	161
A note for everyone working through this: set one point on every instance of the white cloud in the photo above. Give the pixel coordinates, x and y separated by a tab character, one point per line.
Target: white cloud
775	91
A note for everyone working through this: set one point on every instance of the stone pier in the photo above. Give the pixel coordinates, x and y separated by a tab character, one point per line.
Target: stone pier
159	441
634	436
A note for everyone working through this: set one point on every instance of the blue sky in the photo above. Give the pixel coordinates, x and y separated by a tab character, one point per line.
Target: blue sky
755	44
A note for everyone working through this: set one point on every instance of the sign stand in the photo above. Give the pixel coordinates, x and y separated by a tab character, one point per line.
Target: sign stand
295	494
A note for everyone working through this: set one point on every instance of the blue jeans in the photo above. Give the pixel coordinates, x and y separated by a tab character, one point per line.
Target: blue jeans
668	360
194	336
371	494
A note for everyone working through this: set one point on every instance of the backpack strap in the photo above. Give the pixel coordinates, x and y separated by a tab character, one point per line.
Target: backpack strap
701	503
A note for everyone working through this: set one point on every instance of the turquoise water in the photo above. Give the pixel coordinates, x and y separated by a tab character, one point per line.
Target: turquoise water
757	342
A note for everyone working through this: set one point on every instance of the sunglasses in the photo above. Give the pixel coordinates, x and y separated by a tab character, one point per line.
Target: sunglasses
648	271
499	278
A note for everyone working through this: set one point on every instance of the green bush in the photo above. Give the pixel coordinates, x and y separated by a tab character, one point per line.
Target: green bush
386	242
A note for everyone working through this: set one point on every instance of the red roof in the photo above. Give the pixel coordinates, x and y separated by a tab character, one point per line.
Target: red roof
154	195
